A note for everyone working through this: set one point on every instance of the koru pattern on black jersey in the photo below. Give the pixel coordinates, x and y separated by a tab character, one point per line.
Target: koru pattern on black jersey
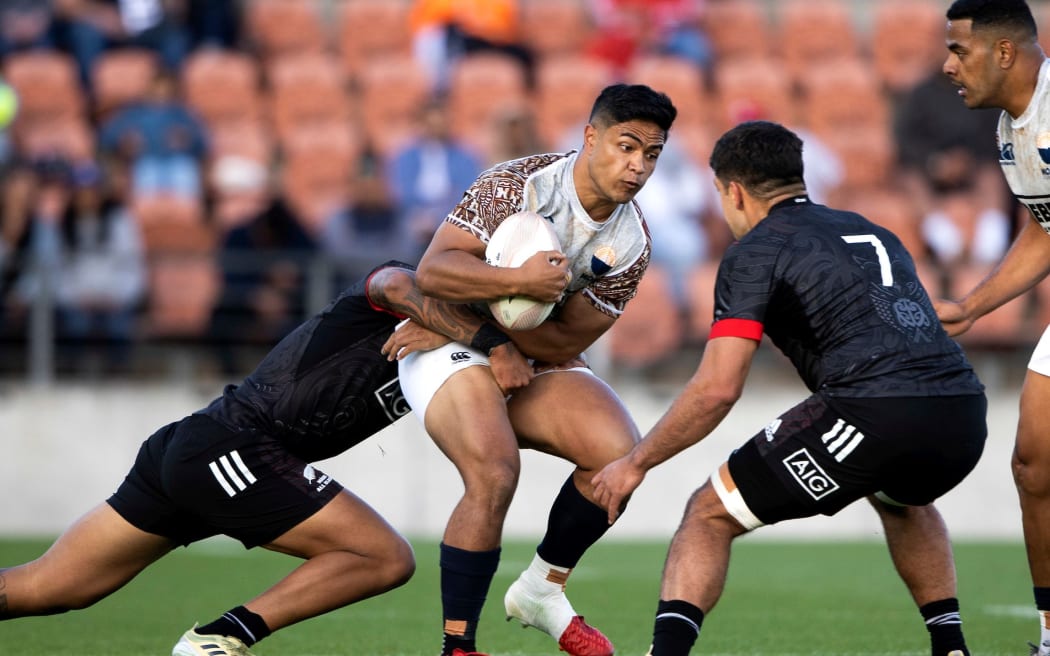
840	297
325	387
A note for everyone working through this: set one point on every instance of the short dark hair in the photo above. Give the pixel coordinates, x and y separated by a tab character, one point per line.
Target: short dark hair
1012	15
620	103
763	156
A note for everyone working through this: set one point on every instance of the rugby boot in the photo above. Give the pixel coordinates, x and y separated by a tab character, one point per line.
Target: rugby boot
551	612
194	644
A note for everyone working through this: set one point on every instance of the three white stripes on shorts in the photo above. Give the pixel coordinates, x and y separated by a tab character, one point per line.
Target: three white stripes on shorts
233	473
842	439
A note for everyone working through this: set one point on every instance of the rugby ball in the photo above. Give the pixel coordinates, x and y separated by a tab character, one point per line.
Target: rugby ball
518	238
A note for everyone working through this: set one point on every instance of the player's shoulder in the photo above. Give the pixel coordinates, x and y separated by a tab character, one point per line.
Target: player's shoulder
523	167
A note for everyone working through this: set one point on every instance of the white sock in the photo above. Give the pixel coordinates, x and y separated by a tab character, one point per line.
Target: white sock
1044	632
542	579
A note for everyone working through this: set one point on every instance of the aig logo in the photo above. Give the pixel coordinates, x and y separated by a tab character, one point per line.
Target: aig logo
809	475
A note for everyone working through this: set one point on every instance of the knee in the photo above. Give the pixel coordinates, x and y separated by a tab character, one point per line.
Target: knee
400	563
494	482
706	511
1030	475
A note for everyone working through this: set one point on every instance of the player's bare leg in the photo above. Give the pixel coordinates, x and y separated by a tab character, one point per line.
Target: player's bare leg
1031	471
467	420
921	550
574	415
695	571
351	554
94	557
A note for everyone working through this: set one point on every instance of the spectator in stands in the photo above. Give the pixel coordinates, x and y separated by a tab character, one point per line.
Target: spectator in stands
676	200
89	27
213	23
263	264
24	25
102	279
161	141
444	30
948	162
19	188
428	176
626	28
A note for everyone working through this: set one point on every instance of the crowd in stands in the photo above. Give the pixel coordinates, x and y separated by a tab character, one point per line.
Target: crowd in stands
176	169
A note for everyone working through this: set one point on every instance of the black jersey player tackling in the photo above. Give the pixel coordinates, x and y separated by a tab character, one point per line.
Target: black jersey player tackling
896	413
241	467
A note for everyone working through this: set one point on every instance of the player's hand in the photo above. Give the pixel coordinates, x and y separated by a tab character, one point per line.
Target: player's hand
510	368
954	317
410	337
615	483
545	276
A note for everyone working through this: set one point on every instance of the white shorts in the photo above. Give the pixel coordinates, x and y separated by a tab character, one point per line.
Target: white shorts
1040	360
422	373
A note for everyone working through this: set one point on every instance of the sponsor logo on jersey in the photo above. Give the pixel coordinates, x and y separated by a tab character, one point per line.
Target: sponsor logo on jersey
460	356
1042	144
392	400
1041	212
771	429
1006	155
231	473
809	475
319	483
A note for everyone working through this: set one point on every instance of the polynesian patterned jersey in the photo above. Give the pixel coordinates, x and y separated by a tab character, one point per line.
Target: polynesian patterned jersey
606	258
1024	151
840	297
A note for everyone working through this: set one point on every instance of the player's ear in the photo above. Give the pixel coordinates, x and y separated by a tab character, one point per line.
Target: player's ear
1005	53
736	194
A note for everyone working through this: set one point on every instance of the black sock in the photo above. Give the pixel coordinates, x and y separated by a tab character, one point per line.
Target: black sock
465	580
240	623
1042	598
945	626
573	526
676	627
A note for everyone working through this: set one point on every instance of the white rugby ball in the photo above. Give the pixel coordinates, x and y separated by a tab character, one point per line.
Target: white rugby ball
518	238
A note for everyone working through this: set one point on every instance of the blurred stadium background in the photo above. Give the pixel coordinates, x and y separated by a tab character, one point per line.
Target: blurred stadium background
184	180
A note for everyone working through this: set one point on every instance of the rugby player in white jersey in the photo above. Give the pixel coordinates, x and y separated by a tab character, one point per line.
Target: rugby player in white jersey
566	410
995	59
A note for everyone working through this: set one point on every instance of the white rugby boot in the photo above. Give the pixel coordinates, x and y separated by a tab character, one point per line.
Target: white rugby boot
194	644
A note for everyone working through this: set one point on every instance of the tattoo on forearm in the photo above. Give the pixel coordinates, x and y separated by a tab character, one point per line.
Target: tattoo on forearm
453	321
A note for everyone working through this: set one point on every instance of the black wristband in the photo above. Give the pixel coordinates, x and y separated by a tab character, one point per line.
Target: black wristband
487	338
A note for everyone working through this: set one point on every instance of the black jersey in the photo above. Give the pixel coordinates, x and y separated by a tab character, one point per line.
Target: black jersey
840	297
325	387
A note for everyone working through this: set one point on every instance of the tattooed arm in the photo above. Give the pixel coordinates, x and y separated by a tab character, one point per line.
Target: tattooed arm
435	323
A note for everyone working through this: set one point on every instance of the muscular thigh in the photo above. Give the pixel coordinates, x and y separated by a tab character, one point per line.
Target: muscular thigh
575	415
346	523
1033	437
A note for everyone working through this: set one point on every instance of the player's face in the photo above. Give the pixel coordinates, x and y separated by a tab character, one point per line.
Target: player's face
972	65
620	159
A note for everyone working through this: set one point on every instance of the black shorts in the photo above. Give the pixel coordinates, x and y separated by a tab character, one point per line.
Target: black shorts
824	454
196	478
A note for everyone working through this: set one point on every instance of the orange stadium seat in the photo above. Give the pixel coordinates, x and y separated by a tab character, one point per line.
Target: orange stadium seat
650	328
906	42
739	29
481	86
47	85
679	78
843	94
814	31
392	90
280	27
555	27
120	77
868	154
566	86
892	210
316	184
248	138
183	289
749	88
307	88
222	85
373	29
71	137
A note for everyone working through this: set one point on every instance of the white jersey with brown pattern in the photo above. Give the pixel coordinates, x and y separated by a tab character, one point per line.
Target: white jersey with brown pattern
607	258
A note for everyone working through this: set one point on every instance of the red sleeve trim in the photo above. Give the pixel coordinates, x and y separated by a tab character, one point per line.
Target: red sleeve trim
368	297
746	328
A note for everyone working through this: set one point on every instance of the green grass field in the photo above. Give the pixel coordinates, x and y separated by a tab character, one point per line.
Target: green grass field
782	598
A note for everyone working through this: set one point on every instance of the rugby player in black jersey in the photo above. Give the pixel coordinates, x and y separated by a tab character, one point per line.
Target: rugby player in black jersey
896	414
241	467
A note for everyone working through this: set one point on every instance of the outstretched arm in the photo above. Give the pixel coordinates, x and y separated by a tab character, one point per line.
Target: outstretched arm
1025	264
438	322
707	398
